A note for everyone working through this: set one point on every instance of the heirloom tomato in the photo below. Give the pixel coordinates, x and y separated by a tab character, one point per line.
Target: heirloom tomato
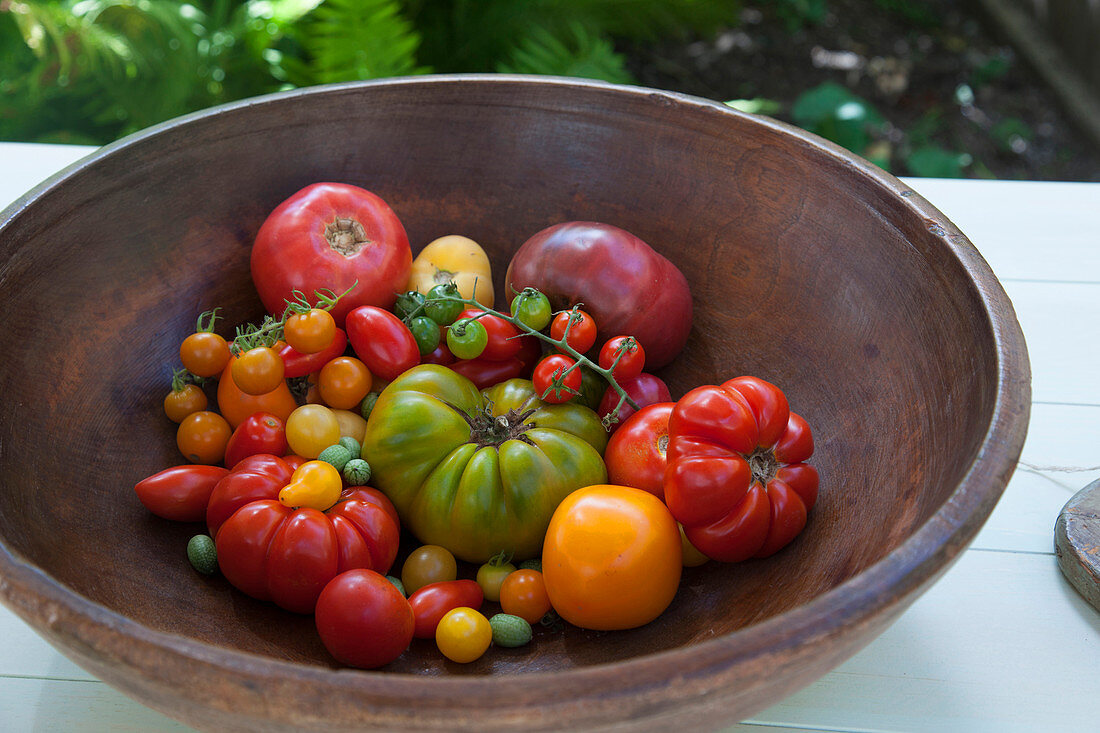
644	389
456	259
479	472
384	344
363	620
736	476
431	602
336	237
612	558
635	454
236	406
180	493
259	476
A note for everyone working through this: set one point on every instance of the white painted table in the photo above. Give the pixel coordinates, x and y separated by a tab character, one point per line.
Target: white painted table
1001	643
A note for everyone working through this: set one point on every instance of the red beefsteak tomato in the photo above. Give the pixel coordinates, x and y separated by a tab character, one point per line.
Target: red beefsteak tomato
636	452
331	236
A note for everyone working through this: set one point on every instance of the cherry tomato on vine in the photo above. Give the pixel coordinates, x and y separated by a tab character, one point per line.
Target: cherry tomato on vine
427	335
523	594
344	382
179	403
202	437
463	635
311	331
532	309
550	384
408	303
310	429
363	620
582	332
258	370
298	364
440	306
630	355
433	601
428	564
503	341
491	575
204	354
644	389
467	338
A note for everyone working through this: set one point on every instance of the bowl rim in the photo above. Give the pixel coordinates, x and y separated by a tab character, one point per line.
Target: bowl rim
68	618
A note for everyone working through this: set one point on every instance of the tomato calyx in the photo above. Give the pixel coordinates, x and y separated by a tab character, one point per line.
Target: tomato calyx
488	430
346	236
762	464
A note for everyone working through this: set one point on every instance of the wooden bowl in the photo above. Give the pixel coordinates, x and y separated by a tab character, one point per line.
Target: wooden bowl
809	268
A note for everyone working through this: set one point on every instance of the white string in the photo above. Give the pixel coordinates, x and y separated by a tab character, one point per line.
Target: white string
1058	469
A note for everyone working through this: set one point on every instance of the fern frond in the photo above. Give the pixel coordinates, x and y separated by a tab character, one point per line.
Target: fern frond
577	52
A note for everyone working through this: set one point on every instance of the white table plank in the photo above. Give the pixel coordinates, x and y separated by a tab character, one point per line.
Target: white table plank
32	705
24	165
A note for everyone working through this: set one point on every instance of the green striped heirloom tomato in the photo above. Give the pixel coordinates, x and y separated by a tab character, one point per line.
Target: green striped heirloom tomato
479	472
736	477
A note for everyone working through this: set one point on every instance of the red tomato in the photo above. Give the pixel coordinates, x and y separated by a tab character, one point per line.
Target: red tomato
180	493
645	389
736	477
504	342
287	555
440	355
262	432
582	332
363	620
254	477
433	601
550	384
297	364
487	373
331	236
635	454
382	341
629	364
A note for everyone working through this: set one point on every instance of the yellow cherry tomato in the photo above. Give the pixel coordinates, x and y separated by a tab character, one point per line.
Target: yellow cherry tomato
352	425
612	558
314	484
454	258
310	429
463	634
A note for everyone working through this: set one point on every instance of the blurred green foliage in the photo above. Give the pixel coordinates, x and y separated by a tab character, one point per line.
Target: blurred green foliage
89	71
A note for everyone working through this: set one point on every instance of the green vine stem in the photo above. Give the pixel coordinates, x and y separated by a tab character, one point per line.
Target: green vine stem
271	329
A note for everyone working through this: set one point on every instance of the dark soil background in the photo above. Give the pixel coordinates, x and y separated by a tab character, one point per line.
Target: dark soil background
937	71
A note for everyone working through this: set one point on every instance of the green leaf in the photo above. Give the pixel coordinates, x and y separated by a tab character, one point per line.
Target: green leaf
579	53
837	114
756	106
932	161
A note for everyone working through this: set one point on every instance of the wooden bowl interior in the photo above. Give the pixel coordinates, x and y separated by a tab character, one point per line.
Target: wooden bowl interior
804	271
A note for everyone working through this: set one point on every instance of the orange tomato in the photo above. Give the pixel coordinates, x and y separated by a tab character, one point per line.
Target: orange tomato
311	331
204	354
523	594
612	558
344	382
202	437
258	370
236	406
179	403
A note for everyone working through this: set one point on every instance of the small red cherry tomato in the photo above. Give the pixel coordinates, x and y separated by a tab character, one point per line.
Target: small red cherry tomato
363	620
556	380
298	364
523	594
504	342
433	601
180	493
645	389
628	352
261	432
382	341
582	332
635	454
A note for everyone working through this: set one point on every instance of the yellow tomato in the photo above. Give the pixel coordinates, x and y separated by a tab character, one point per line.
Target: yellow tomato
612	558
310	429
352	425
314	484
463	634
456	258
692	557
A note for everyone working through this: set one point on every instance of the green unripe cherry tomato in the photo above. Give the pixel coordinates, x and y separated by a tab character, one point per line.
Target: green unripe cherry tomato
428	564
491	575
467	338
426	333
438	304
408	303
532	309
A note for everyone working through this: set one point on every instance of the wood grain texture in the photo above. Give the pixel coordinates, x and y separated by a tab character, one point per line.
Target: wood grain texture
1077	542
809	268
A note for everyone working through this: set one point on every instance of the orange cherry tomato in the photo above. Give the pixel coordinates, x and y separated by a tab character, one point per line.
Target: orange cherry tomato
311	331
179	403
612	558
344	382
202	437
237	406
523	594
258	370
204	354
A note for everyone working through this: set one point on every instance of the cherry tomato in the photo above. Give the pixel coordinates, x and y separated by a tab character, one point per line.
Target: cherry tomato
440	354
262	432
382	341
204	354
311	331
487	373
344	382
635	454
612	558
314	484
428	564
179	403
433	601
427	335
297	364
463	635
202	437
523	594
352	425
408	303
439	303
236	406
467	338
644	389
556	380
502	338
582	332
491	575
180	493
310	429
628	352
363	620
258	371
532	309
